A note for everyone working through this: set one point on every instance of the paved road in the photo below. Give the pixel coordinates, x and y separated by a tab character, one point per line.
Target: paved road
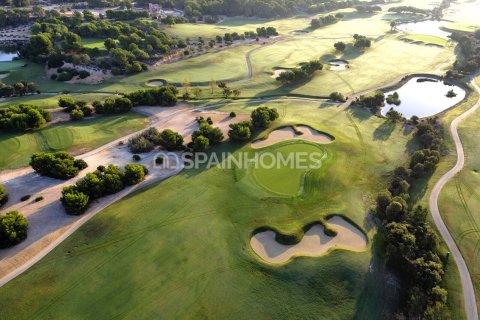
467	284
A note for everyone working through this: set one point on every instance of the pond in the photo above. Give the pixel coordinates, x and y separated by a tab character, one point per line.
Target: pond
424	97
7	55
427	27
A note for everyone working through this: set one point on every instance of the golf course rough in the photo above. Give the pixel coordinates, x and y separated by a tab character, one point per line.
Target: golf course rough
315	242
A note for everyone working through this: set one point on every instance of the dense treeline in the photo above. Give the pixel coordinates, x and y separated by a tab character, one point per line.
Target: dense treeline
469	62
161	96
104	181
410	244
128	46
18	89
13	17
316	23
23	117
58	165
303	73
373	103
126	14
409	9
13	229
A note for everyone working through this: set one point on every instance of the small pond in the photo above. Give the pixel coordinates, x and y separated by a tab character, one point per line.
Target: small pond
278	72
427	27
156	83
424	97
7	55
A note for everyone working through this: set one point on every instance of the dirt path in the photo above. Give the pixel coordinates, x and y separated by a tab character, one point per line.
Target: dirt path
467	285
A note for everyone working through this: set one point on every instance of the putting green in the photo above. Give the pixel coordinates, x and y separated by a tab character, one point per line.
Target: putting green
278	171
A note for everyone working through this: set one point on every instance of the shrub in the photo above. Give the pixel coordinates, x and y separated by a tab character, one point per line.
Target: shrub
76	115
54	76
136	157
233	114
38	199
159	160
83	74
241	131
214	135
134	174
74	201
98	106
337	96
87	111
170	140
68	104
200	143
262	117
13	229
25	198
65	76
3	195
140	144
59	165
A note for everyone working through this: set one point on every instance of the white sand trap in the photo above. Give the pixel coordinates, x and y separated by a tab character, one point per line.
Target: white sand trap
157	83
278	72
314	243
338	65
287	133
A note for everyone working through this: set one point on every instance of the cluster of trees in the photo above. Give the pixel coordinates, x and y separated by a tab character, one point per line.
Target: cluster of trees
394	98
303	73
77	109
205	137
240	131
373	103
361	42
13	229
430	137
18	89
470	55
13	17
367	8
148	139
3	195
409	9
126	14
227	92
23	118
410	245
128	45
104	181
316	23
337	96
262	117
160	96
67	74
58	165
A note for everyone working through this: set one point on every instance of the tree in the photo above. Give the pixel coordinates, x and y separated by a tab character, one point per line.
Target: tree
170	140
361	42
74	201
200	144
396	210
241	131
394	116
262	117
340	46
13	229
76	115
393	25
213	134
68	104
383	200
3	195
134	174
40	45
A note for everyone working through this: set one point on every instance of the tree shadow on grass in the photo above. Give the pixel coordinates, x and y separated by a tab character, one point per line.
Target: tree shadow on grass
380	295
360	113
384	131
351	52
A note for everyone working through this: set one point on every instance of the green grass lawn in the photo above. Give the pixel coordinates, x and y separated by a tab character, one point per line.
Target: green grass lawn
180	249
78	137
426	39
93	43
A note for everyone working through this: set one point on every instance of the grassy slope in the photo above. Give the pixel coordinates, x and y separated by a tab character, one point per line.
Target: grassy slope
78	137
460	200
180	249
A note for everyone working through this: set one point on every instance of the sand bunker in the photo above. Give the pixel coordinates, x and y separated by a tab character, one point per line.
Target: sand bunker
156	83
287	133
314	243
278	72
338	65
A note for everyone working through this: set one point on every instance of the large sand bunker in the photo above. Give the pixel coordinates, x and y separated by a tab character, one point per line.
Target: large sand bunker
288	133
314	243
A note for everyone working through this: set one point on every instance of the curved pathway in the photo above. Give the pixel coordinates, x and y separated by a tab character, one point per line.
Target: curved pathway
467	284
